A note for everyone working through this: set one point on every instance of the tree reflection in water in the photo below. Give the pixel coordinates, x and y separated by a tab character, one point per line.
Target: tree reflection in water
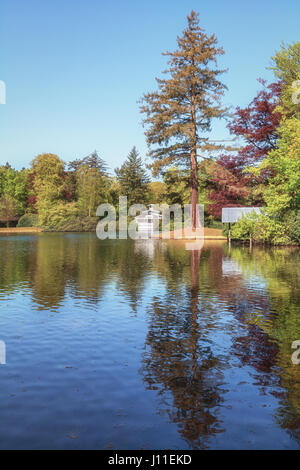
181	364
211	312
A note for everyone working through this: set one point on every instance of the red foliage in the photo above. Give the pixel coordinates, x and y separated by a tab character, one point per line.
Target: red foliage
32	203
257	125
69	187
31	177
229	186
68	195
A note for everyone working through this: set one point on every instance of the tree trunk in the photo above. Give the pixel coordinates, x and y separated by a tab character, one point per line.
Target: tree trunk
194	166
194	188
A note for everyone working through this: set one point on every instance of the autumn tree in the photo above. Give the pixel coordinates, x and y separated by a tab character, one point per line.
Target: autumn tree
227	184
133	178
280	221
178	116
257	125
283	193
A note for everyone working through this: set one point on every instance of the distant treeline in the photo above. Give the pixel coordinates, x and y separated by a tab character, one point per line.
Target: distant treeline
263	170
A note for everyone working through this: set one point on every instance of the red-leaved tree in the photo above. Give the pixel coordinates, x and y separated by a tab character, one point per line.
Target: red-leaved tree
257	125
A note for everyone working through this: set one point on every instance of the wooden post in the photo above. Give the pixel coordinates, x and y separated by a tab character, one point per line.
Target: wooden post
229	234
251	242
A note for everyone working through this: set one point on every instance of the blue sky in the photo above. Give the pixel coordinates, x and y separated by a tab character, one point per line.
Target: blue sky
75	69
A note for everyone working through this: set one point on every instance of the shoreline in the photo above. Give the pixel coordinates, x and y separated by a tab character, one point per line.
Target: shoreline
209	234
20	230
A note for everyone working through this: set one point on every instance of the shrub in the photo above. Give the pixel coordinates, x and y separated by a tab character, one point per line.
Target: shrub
64	217
28	220
270	230
245	226
58	215
262	228
79	224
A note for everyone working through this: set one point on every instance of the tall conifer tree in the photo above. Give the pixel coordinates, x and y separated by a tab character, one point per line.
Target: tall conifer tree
133	178
178	115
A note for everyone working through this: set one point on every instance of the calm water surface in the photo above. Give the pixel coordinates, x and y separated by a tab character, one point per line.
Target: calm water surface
128	345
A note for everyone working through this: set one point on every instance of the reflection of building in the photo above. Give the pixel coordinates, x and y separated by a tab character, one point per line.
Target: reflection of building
148	221
230	267
145	247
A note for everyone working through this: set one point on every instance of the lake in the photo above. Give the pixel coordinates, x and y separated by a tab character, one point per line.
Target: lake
124	344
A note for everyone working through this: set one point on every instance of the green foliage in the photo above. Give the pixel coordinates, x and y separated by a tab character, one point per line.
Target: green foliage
178	116
286	62
91	161
88	183
157	192
225	230
283	192
177	186
114	192
294	227
133	179
286	67
28	220
14	184
78	224
56	216
65	217
210	222
261	227
48	183
272	231
92	189
8	211
245	227
280	223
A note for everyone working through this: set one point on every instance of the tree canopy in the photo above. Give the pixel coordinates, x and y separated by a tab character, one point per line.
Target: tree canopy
178	115
133	178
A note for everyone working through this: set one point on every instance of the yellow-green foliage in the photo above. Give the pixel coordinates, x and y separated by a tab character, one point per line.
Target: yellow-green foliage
245	227
28	220
48	171
92	190
157	192
283	192
261	227
55	216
